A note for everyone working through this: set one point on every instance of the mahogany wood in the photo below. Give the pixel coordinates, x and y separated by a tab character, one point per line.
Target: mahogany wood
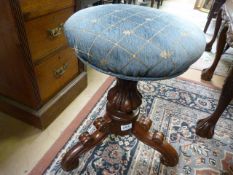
59	70
207	74
216	5
43	116
216	30
16	72
35	8
40	42
205	127
27	89
122	107
122	111
71	159
156	140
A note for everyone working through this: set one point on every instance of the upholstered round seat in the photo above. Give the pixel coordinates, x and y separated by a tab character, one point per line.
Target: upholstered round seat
134	42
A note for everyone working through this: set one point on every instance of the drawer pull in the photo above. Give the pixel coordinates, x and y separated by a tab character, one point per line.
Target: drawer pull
53	33
60	71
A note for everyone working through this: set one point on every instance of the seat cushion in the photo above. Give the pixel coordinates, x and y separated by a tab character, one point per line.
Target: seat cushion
134	42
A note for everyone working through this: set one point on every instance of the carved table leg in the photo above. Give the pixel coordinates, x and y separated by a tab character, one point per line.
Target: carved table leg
155	140
208	73
216	30
205	127
87	142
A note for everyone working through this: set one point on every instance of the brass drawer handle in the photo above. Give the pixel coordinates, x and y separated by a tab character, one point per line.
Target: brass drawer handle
60	71
53	33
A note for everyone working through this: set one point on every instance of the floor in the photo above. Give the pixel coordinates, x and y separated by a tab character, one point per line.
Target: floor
22	146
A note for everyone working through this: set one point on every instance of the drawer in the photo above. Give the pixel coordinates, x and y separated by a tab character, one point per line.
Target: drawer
36	8
55	72
45	34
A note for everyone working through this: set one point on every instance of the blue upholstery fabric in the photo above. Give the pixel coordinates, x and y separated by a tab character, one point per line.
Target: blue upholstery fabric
134	42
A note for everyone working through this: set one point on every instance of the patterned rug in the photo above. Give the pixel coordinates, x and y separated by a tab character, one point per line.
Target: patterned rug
206	60
174	106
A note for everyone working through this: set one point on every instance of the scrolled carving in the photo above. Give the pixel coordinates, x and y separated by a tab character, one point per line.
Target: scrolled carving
169	155
85	138
87	142
98	123
158	137
145	122
101	124
122	111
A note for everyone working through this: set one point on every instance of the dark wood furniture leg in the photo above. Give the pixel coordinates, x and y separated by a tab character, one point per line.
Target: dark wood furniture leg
216	30
214	8
209	18
155	140
207	74
152	3
158	4
205	127
161	3
122	111
86	142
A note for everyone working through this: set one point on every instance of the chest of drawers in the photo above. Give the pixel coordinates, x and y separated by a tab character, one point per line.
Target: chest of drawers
39	73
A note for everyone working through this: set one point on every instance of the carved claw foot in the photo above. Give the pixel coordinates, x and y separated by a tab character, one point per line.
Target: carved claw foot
156	140
169	156
86	142
208	47
71	158
205	128
207	74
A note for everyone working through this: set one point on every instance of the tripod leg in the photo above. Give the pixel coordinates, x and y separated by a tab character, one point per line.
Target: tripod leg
155	140
86	142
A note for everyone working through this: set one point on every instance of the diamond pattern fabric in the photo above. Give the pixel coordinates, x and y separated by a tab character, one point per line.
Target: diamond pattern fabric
134	42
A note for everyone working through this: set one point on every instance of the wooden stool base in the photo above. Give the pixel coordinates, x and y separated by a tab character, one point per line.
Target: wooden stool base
121	118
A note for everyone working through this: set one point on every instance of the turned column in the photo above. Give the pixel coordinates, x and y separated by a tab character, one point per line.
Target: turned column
123	104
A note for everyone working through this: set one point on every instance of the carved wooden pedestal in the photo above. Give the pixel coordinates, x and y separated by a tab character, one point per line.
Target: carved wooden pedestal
121	116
